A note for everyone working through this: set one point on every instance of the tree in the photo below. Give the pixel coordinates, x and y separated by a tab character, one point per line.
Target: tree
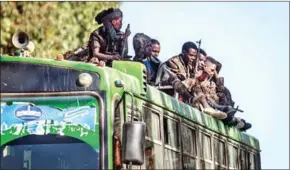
54	27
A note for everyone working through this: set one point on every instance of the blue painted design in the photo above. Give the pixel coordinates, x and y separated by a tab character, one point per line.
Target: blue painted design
33	116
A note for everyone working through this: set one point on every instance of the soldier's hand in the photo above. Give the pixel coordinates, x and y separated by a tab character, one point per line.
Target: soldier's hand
216	74
115	57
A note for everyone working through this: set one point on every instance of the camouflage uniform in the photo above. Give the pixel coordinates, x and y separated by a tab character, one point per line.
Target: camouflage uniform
183	72
97	40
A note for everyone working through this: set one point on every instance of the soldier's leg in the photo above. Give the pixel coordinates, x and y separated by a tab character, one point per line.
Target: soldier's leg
208	109
230	111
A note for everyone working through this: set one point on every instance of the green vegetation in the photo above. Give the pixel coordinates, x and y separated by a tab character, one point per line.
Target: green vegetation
54	27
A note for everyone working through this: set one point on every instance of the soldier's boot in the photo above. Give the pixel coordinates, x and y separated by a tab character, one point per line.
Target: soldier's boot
209	110
246	125
231	121
215	113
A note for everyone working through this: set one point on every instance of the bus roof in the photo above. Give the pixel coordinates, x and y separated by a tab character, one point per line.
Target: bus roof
152	94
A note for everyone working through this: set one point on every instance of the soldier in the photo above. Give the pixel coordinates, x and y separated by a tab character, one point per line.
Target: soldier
106	43
182	64
151	62
140	41
208	93
226	104
204	89
178	71
202	58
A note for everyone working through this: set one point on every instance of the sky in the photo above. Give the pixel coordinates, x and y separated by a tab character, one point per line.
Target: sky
250	39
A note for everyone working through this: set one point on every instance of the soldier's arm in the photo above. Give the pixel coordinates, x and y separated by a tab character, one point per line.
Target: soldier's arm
96	46
173	67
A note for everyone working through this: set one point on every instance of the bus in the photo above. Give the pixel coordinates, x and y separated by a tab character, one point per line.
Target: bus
60	114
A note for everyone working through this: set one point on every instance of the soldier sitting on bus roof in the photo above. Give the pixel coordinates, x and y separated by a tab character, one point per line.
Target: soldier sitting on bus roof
106	43
205	89
147	51
140	41
202	58
212	87
178	71
151	61
226	104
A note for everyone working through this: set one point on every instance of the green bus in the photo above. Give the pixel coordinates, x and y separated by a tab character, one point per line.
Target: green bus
59	114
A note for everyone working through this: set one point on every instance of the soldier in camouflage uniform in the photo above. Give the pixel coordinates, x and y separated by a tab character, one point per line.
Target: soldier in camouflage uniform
210	92
106	43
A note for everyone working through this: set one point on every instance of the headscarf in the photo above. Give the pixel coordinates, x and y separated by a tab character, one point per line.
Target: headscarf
108	15
105	17
140	41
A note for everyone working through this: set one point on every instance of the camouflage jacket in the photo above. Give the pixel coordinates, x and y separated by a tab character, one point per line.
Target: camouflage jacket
99	40
177	65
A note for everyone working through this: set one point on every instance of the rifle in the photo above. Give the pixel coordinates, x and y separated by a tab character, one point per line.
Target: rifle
124	45
197	57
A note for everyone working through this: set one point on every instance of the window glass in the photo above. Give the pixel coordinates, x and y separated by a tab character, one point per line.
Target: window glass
206	147
188	140
252	161
172	159
243	159
188	162
153	154
220	156
233	152
152	121
171	134
25	155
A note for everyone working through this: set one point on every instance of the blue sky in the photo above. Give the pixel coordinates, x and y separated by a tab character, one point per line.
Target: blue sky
250	39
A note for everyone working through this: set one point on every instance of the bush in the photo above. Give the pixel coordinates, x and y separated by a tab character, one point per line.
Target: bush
54	27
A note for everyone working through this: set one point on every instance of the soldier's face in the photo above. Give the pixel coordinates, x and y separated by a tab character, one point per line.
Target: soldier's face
191	54
117	23
155	50
201	62
209	68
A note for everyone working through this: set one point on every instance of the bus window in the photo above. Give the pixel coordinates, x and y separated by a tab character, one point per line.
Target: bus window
233	152
153	144
171	139
220	156
189	147
152	121
206	144
243	158
252	161
153	155
171	133
206	148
